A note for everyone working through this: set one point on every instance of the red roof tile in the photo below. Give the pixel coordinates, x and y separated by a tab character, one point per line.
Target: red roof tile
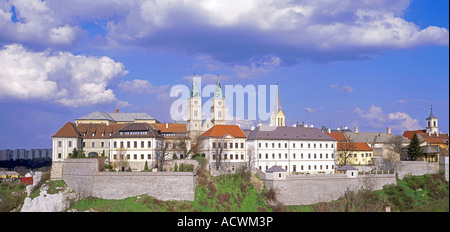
353	147
339	136
410	134
222	130
68	131
170	127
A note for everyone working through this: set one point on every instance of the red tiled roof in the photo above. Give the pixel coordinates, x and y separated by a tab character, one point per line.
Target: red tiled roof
69	130
431	139
353	147
339	136
96	130
410	134
435	139
170	127
221	130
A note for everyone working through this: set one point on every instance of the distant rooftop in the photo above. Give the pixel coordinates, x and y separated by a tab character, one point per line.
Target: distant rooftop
290	133
117	117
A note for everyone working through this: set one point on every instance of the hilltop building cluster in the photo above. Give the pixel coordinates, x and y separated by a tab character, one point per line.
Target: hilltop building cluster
136	141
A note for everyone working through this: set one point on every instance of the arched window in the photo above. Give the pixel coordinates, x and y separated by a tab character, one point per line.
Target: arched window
434	123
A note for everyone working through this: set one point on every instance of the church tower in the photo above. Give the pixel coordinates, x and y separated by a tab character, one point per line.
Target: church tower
432	123
194	119
218	105
277	117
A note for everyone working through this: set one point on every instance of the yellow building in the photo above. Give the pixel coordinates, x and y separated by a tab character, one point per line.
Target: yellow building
354	153
2	175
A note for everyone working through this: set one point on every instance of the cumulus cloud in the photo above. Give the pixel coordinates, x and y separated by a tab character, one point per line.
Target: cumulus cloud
291	31
406	122
34	23
62	77
376	118
285	30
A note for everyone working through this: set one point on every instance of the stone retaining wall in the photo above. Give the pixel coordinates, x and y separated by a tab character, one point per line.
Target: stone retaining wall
82	176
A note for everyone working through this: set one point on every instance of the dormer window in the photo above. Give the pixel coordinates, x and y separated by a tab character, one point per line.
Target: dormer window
93	134
103	134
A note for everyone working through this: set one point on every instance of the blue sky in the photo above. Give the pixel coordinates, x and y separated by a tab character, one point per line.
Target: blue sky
371	64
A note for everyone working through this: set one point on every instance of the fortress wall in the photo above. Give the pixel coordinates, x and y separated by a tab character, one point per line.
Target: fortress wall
305	190
82	176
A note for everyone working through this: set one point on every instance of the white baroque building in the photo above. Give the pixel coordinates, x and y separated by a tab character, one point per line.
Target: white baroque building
224	145
295	149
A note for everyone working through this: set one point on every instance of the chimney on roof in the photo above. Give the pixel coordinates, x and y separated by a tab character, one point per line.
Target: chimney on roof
117	110
252	128
388	130
167	125
356	130
329	130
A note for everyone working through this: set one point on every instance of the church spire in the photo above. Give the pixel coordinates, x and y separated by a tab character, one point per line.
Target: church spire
277	117
218	94
195	92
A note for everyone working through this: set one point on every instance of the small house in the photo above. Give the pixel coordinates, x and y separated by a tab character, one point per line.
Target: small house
12	175
27	180
276	173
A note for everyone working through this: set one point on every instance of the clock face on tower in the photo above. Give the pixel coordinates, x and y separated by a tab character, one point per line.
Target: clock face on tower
195	102
220	103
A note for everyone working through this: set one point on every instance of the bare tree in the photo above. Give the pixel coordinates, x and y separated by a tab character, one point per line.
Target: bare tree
121	162
160	155
250	157
218	146
395	145
345	151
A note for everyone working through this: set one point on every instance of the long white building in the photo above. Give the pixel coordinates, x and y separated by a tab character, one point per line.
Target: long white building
295	149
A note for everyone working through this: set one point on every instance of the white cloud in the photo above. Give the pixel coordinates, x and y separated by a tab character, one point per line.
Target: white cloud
406	122
281	30
37	25
62	77
310	110
144	87
257	66
376	118
345	89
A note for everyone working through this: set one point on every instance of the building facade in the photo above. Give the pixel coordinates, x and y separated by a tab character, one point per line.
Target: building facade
224	147
354	153
295	149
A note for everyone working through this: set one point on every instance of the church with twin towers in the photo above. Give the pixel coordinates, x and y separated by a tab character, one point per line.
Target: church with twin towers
196	123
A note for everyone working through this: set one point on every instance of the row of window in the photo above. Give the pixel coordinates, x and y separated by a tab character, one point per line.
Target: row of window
93	134
354	155
115	144
310	167
133	132
227	145
232	157
294	156
314	145
135	157
128	143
